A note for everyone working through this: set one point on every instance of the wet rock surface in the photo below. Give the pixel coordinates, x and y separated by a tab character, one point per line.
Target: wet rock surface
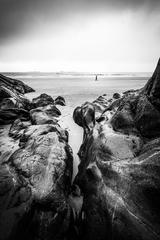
35	170
17	85
35	183
13	104
60	101
42	100
11	114
119	172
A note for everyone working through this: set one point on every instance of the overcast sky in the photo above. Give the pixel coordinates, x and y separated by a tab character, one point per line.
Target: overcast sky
79	35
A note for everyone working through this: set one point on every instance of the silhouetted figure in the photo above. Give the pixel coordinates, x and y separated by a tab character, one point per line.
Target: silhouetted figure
96	79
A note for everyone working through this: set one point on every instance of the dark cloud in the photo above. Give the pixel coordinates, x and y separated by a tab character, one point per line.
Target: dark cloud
19	16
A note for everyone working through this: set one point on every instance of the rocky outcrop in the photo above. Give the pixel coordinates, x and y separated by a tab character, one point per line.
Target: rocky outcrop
119	172
17	128
6	103
152	87
35	177
60	101
35	184
42	100
39	117
11	114
13	104
13	84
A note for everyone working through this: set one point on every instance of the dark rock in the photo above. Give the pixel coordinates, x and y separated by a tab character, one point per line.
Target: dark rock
11	114
116	95
123	119
51	110
84	116
121	199
118	178
35	185
147	118
18	86
60	101
131	92
33	131
39	116
100	104
77	116
42	100
17	128
20	100
152	87
6	103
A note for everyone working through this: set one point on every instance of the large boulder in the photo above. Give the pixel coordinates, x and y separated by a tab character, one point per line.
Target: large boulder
60	101
10	83
151	89
7	103
116	95
38	116
147	118
13	104
34	186
84	116
19	99
17	128
42	100
51	110
11	114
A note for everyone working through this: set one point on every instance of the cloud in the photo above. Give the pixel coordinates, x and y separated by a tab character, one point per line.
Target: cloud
20	16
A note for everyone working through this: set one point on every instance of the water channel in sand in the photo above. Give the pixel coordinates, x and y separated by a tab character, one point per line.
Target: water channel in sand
75	134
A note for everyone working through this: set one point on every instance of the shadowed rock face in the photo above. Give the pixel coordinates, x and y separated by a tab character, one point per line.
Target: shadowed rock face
17	128
6	103
35	177
152	87
42	100
13	84
39	116
10	114
34	186
19	107
60	101
119	172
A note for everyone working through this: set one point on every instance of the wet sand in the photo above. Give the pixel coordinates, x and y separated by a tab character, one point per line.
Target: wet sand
75	133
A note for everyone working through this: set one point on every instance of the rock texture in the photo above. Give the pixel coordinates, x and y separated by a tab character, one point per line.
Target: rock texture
35	177
42	100
152	87
119	172
35	184
10	114
13	85
60	101
16	107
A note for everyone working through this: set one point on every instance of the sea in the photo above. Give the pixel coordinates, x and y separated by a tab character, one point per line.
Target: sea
77	88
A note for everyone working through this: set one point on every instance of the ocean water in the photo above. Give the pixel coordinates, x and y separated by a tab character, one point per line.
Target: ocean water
77	88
